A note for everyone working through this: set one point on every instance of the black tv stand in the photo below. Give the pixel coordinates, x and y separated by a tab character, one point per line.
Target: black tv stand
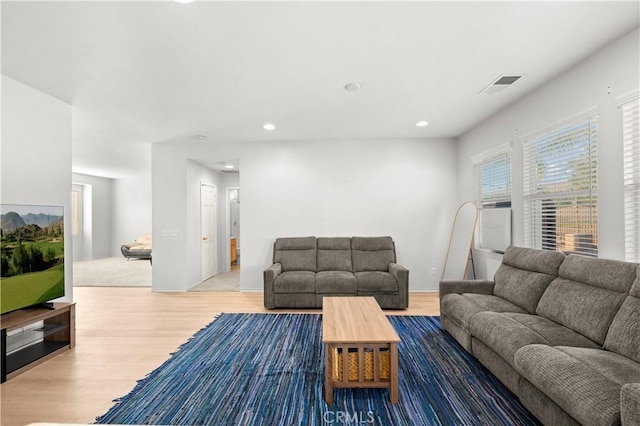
29	337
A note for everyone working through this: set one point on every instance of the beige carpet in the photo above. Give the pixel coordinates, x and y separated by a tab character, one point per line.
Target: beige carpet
227	281
120	272
112	272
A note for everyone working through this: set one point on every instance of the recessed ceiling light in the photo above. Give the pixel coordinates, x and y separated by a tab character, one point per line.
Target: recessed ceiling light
422	123
351	87
268	126
183	1
200	137
228	166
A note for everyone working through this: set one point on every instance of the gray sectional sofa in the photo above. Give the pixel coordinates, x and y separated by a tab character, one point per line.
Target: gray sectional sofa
306	269
562	332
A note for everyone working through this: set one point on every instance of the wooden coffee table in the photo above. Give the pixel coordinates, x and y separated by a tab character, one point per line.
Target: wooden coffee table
361	346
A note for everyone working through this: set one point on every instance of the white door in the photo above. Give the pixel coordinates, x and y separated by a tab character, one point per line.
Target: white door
208	227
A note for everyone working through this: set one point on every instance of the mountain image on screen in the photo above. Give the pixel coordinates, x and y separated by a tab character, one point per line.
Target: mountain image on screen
12	220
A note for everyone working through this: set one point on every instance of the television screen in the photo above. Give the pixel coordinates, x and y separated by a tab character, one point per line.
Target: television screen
31	255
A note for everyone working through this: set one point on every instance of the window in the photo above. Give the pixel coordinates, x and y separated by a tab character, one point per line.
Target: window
75	212
630	106
492	188
560	186
492	178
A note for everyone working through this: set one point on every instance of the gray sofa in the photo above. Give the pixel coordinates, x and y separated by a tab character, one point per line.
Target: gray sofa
306	269
562	332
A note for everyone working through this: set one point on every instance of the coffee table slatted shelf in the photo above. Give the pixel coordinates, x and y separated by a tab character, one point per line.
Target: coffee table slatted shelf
361	342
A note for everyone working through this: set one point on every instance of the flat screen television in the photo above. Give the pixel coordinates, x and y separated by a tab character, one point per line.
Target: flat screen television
31	255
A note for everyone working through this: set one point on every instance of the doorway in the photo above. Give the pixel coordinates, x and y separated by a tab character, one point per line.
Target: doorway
208	227
227	276
233	197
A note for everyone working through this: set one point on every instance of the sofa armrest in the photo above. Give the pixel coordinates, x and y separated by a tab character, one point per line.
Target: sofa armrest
630	404
401	274
269	276
465	286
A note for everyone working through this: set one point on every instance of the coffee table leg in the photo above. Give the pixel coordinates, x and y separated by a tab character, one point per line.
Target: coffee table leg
328	376
393	373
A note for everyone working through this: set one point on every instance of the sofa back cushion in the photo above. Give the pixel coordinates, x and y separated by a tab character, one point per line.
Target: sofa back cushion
624	334
525	274
296	254
372	253
334	254
145	239
587	294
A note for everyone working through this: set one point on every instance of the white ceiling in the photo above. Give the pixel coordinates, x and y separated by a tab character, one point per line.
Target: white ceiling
144	72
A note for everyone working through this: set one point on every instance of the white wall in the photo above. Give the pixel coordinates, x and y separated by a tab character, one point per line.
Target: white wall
130	207
576	90
36	156
402	188
98	204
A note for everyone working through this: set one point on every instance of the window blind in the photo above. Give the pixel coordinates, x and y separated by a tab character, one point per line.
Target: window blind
560	187
630	106
492	177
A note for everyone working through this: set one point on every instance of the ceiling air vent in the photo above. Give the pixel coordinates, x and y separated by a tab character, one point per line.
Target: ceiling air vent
500	83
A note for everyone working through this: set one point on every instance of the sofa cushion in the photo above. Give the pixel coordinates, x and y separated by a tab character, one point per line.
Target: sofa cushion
587	294
459	308
295	282
334	254
543	261
608	274
145	239
506	333
296	254
372	253
624	334
376	282
525	274
586	383
339	282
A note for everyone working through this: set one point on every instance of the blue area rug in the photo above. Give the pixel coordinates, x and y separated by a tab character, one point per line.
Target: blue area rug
268	369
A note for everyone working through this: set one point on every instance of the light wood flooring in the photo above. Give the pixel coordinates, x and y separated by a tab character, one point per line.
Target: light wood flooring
123	334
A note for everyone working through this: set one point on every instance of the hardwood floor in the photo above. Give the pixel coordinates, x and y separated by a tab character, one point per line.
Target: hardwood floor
121	335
